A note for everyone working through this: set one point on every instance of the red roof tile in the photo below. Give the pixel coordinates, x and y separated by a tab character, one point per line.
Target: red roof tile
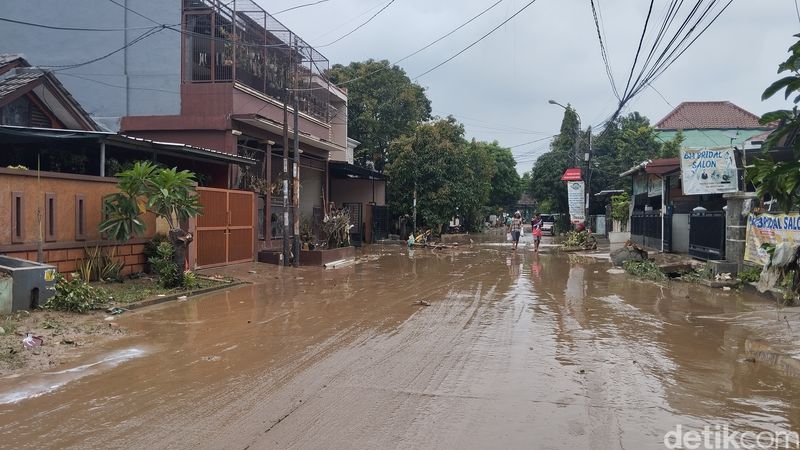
708	115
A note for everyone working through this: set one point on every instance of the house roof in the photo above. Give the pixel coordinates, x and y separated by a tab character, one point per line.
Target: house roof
708	115
343	169
17	78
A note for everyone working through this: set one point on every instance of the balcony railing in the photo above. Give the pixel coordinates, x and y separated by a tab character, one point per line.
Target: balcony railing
227	41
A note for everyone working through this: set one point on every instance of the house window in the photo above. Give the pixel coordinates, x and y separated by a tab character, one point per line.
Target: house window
50	217
80	218
17	217
16	113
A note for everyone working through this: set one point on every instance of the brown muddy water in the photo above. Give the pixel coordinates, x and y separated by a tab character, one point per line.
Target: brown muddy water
515	351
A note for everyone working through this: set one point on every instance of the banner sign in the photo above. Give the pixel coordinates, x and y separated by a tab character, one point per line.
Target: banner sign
769	228
655	186
709	171
575	196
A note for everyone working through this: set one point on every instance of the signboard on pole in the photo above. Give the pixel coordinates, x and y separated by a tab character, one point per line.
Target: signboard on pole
575	197
772	229
709	171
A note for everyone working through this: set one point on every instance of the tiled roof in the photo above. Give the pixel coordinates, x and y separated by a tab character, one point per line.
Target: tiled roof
6	58
13	83
708	115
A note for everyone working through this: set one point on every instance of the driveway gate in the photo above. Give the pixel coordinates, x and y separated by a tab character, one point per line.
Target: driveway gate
225	228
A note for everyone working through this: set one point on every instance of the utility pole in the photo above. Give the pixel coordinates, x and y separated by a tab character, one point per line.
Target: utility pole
296	177
414	216
588	177
286	179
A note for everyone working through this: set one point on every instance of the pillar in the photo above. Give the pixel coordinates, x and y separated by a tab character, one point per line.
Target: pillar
739	206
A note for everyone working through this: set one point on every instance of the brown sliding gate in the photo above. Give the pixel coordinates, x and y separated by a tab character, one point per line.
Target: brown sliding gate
225	229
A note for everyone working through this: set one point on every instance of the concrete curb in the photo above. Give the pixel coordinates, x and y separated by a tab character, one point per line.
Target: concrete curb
171	297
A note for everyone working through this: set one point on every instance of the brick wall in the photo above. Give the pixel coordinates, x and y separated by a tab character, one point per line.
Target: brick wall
67	260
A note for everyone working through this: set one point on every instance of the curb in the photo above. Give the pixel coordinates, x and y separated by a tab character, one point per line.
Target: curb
171	297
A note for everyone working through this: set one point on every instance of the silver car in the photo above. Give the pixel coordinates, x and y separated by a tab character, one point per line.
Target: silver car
549	224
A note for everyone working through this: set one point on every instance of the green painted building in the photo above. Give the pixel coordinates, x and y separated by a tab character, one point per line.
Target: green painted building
710	124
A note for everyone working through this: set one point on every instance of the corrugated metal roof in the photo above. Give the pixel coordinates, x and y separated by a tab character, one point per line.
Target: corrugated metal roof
663	166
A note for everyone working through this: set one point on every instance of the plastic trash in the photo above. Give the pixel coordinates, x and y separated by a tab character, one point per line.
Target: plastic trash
30	341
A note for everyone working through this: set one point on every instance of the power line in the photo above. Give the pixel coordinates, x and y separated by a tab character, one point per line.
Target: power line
145	35
477	41
603	51
410	55
300	6
53	27
797	10
359	26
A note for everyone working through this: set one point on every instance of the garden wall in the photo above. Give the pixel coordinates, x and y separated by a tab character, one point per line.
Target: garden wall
65	210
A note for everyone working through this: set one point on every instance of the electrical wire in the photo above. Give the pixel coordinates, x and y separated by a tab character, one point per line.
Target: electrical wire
53	27
519	11
300	6
797	10
151	32
603	51
359	26
681	114
410	55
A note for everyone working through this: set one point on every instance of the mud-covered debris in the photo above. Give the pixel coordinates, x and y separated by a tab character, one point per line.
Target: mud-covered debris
615	271
182	298
422	303
251	271
211	358
582	371
115	311
750	360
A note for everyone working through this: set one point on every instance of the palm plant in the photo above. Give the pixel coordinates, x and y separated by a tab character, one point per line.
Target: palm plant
167	193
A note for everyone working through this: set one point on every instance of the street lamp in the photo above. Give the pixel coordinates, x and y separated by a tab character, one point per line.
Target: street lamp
587	157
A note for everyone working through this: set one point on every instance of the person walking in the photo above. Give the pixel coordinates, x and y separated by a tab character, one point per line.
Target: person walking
536	230
515	228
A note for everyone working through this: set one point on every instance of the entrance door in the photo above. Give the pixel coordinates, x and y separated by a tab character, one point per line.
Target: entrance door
225	229
355	221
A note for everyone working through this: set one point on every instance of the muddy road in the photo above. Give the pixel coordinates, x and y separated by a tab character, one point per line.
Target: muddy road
515	351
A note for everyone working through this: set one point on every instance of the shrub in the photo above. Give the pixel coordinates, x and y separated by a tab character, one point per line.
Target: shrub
151	248
190	280
750	274
74	296
646	269
620	208
169	275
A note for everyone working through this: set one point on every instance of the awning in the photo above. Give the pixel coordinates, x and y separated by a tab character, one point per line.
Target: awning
276	128
341	169
663	166
31	135
572	174
608	192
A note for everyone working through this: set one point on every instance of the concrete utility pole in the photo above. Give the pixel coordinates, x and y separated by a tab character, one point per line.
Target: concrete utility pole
286	180
296	177
296	186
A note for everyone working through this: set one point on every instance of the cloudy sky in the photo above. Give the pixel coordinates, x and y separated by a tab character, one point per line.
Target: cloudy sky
500	87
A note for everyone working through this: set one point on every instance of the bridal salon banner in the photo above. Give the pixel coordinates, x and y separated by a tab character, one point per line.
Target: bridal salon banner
769	228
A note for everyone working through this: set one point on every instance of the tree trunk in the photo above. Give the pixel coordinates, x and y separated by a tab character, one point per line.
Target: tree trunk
180	240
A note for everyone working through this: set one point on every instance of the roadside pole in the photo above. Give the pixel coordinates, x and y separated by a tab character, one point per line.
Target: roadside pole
296	183
286	180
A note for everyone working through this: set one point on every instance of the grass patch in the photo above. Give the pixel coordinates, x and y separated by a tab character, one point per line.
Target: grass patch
133	291
647	270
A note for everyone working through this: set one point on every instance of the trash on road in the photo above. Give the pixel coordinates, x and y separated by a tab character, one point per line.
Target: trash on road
422	303
182	298
116	310
30	341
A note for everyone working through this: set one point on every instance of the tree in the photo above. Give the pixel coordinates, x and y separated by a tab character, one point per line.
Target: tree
167	193
505	184
781	180
383	104
545	180
672	148
449	175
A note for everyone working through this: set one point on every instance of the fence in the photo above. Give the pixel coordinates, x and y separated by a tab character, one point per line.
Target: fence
646	229
707	235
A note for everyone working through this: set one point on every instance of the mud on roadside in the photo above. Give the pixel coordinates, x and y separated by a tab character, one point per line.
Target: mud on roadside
65	336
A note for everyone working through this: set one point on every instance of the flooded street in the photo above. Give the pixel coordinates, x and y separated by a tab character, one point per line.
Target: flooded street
515	351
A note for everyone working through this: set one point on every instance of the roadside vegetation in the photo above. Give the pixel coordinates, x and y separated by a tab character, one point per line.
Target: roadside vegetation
646	269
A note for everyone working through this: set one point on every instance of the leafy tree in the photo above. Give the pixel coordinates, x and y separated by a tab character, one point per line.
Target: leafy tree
505	185
781	180
381	107
448	174
672	148
167	193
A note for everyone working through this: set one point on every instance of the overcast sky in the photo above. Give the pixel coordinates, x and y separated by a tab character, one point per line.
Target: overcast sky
500	87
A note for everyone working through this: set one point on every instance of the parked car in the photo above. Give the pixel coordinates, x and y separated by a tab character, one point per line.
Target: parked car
549	224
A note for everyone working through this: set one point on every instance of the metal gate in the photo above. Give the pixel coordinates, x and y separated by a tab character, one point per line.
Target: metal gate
356	236
380	222
224	232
